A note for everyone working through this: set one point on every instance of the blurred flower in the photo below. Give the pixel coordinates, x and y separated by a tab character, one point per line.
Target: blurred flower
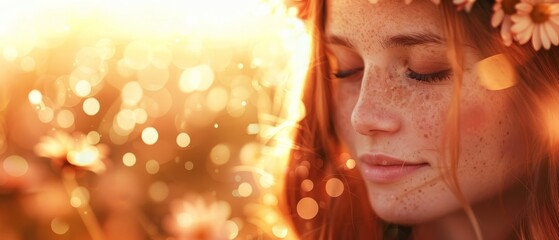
197	219
464	4
537	21
64	150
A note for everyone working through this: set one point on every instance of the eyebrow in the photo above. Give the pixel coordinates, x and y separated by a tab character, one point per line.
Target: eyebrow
339	40
400	40
408	40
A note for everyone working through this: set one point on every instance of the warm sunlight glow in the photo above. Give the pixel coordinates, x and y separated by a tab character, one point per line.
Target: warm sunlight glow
167	91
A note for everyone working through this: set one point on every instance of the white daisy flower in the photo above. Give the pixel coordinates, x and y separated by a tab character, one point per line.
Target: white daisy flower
502	12
537	21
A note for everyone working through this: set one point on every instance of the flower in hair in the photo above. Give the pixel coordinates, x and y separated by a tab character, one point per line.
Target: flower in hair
502	12
520	20
536	21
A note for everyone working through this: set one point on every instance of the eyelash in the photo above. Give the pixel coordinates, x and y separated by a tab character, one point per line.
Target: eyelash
346	73
429	77
421	77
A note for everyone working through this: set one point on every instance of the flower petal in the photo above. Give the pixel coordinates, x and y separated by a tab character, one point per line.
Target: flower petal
536	40
506	34
524	7
469	6
544	37
497	18
554	9
554	19
497	6
552	33
520	24
524	36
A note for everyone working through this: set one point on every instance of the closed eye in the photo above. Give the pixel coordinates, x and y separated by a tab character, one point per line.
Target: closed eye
347	73
429	77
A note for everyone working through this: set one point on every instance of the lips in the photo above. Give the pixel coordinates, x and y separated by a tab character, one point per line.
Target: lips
380	168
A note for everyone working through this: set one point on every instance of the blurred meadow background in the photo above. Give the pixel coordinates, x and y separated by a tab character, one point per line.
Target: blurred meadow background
147	119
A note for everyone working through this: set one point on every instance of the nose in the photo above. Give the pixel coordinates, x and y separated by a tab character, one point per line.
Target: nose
373	113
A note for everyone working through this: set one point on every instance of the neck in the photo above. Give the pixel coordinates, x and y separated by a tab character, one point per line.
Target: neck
498	219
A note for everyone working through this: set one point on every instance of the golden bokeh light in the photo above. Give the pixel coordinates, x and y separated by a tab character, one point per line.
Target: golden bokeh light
15	166
152	167
212	85
79	197
83	88
65	118
59	226
129	159
217	99
307	185
46	115
125	120
232	228
132	93
91	106
93	137
496	73
307	208
220	154
35	97
350	164
198	78
188	165
150	135
280	231
183	139
245	189
334	187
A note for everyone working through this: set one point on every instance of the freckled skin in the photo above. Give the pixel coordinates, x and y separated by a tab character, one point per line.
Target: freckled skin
386	112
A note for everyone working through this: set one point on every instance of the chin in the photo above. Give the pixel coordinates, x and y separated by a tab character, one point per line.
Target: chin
411	209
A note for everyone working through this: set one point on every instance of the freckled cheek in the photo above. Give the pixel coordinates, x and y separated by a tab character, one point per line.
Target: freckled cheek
428	122
473	118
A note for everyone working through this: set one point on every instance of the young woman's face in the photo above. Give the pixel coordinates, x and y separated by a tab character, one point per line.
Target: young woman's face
393	90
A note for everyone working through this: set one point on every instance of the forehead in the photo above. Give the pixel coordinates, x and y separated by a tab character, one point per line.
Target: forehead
365	24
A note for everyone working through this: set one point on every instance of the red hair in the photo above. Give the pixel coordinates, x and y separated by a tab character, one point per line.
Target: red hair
349	216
